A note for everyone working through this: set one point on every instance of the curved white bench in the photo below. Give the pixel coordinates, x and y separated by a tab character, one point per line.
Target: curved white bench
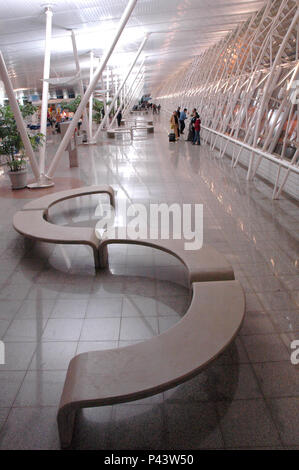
49	200
119	375
144	369
31	221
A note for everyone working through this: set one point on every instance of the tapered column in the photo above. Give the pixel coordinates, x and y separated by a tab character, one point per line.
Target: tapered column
104	96
91	96
46	75
134	94
18	117
107	84
122	85
124	19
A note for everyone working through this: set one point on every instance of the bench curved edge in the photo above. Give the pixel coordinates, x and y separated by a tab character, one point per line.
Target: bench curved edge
107	377
32	224
45	202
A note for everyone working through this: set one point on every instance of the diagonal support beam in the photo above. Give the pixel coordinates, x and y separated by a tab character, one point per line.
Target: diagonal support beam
122	85
18	117
126	95
78	70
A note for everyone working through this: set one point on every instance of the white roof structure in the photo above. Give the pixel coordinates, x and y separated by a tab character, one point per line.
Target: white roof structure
181	29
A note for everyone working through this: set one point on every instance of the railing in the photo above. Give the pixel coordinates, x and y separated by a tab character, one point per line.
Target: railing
257	151
289	167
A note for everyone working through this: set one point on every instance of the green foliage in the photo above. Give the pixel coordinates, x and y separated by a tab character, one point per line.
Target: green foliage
10	139
97	108
72	106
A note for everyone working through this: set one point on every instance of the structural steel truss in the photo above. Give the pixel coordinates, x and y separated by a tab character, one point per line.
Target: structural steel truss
245	89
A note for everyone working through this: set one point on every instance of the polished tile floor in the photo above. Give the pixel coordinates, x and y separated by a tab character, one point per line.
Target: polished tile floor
52	306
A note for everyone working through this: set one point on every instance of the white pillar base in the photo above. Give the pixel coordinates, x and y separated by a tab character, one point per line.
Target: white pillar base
43	182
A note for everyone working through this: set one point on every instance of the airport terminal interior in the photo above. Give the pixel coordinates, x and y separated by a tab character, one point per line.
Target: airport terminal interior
156	347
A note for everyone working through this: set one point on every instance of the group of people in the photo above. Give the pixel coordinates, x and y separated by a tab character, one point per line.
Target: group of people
156	108
177	124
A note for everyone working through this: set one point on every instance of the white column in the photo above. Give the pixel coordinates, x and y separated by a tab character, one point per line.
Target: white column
107	83
18	116
46	75
122	85
104	95
91	96
123	21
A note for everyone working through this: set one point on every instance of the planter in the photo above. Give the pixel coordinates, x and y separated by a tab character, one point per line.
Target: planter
18	179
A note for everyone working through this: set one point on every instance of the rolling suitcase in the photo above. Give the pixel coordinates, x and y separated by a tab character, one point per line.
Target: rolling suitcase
171	136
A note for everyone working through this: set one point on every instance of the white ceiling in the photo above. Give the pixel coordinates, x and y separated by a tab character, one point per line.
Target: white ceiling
182	29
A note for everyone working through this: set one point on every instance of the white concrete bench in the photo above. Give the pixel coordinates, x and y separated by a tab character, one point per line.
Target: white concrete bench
130	373
32	220
111	133
120	375
149	129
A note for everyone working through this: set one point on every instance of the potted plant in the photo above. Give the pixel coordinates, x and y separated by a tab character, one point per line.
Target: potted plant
12	146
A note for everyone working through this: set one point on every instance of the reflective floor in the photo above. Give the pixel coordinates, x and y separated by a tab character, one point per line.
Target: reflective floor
52	306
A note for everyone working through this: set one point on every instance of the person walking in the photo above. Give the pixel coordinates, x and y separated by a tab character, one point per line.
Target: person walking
119	118
197	131
183	117
174	124
178	112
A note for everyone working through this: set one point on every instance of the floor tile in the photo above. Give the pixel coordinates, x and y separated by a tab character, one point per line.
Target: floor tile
60	329
137	427
285	415
53	355
278	379
138	328
263	348
100	329
104	307
192	426
41	388
10	382
30	429
67	308
247	423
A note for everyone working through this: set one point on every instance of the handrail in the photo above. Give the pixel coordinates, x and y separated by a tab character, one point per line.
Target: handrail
255	150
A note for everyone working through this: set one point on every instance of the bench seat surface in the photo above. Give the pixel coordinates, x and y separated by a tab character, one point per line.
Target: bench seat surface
206	264
114	376
47	201
31	224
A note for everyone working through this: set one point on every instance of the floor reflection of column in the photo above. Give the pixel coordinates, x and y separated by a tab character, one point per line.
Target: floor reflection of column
91	151
65	256
39	355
